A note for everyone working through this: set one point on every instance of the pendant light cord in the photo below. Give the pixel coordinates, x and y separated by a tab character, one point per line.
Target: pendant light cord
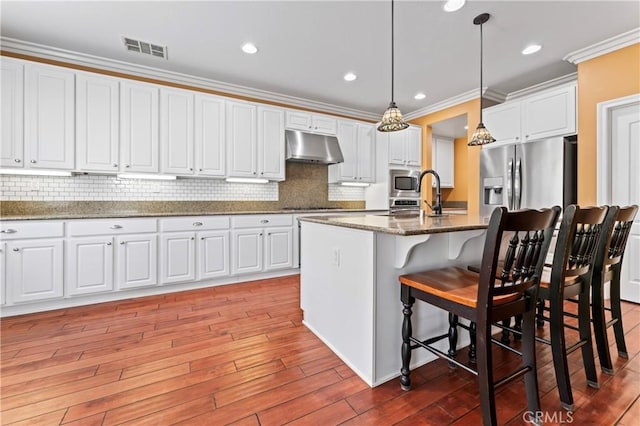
481	73
392	56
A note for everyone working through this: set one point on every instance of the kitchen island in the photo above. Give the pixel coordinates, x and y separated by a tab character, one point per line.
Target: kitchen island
349	290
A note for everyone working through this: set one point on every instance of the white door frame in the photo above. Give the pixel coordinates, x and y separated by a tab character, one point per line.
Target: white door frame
603	157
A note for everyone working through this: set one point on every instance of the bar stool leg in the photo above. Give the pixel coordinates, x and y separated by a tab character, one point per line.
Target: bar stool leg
584	324
485	373
559	352
407	331
472	342
540	315
616	313
505	333
453	337
529	360
600	325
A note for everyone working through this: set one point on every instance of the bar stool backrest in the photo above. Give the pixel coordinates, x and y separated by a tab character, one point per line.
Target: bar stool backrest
612	248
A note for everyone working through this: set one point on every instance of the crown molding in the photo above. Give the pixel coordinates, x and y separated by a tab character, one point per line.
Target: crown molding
606	46
487	93
564	80
81	59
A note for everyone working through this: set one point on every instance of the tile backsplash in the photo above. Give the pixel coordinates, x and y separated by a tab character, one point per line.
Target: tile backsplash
111	188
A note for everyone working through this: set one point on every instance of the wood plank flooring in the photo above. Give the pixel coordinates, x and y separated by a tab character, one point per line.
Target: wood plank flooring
239	355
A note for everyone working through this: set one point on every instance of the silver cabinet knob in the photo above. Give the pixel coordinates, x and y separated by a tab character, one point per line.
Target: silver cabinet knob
517	137
202	238
17	160
261	173
109	243
264	221
526	136
16	249
122	243
115	164
258	234
193	238
33	161
8	231
127	166
199	170
197	223
254	173
115	227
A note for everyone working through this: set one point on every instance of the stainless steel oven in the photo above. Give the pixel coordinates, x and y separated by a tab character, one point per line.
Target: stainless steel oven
403	183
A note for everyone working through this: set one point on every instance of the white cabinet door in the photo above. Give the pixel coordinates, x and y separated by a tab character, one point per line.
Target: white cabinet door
297	120
443	160
213	254
504	122
279	248
210	135
247	250
366	153
139	127
550	114
34	270
3	281
324	125
89	265
271	143
348	139
413	147
137	261
176	131
97	124
12	142
177	257
49	116
397	147
241	139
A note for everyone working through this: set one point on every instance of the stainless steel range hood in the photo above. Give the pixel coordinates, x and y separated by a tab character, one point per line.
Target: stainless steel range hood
312	148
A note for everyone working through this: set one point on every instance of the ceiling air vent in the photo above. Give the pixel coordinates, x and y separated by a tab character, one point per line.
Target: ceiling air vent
145	47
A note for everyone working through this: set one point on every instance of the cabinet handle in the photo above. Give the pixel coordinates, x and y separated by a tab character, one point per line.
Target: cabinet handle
517	137
115	227
17	160
16	249
199	170
122	243
202	238
8	231
268	233
197	223
264	221
191	168
109	243
261	173
254	173
127	166
258	234
115	164
526	136
193	238
33	161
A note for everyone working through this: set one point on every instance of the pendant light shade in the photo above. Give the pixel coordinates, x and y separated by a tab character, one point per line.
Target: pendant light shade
481	136
392	118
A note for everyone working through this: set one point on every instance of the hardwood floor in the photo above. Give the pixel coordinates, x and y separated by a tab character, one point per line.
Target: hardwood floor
239	355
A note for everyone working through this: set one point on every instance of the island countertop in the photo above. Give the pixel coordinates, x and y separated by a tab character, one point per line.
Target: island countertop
403	225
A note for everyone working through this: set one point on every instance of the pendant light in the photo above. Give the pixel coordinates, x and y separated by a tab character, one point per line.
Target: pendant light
481	136
392	118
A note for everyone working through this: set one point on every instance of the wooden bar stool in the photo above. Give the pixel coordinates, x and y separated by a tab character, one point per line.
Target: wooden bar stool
492	295
569	278
607	268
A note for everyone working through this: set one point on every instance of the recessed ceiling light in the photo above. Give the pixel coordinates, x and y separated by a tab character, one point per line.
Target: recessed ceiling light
453	5
249	48
419	96
532	48
350	76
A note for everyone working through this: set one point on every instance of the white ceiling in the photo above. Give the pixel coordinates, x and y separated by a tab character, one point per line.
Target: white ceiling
307	46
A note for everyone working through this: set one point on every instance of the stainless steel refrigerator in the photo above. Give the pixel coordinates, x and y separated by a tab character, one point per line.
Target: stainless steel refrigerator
534	174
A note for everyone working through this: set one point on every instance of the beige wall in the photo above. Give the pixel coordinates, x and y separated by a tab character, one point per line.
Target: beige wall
467	158
604	78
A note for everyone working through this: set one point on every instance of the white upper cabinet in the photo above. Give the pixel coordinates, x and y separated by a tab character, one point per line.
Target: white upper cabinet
443	160
405	147
49	117
357	144
139	127
176	131
546	114
97	123
242	150
299	120
271	143
209	134
12	142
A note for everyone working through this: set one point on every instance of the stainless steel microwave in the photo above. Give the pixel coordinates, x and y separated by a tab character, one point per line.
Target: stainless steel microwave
403	183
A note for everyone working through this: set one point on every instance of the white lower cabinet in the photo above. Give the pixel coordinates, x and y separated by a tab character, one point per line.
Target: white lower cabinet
213	254
261	243
137	261
89	265
34	270
247	250
279	248
177	257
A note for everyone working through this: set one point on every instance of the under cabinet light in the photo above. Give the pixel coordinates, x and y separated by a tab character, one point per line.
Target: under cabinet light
31	172
354	184
145	176
246	180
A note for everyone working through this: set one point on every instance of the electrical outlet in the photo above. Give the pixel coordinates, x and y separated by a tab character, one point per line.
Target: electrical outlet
336	257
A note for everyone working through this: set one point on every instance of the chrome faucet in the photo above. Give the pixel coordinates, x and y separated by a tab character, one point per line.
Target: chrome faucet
437	205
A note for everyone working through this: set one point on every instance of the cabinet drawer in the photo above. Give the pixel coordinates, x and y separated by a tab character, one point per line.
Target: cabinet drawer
110	227
31	229
194	223
261	221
